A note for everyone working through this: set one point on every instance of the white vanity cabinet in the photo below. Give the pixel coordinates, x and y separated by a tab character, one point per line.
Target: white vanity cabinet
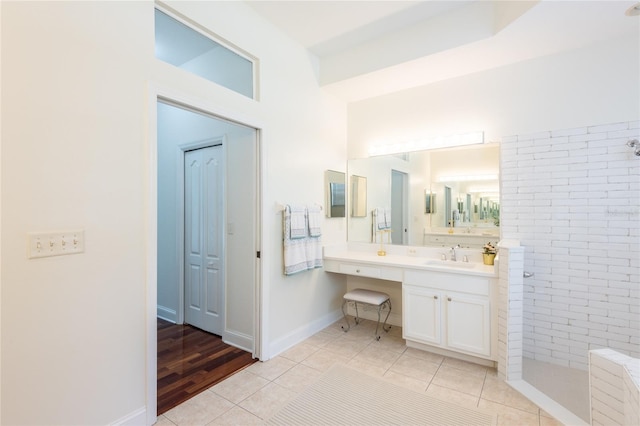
449	311
468	321
422	314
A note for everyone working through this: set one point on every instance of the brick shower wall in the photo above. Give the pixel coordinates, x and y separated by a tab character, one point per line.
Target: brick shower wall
572	198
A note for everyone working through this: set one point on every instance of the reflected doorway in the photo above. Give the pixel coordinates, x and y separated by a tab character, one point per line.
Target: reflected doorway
399	207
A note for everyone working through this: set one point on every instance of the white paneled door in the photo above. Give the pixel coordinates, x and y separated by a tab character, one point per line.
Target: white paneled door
204	265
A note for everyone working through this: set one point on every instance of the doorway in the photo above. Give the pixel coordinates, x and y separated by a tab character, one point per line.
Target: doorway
180	130
399	203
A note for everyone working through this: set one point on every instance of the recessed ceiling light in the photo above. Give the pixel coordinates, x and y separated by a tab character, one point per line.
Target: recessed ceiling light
633	10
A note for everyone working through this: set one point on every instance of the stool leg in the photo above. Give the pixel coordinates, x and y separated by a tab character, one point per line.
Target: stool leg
357	314
388	303
344	312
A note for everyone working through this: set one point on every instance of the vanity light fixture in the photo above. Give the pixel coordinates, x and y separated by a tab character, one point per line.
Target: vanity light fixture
431	143
464	178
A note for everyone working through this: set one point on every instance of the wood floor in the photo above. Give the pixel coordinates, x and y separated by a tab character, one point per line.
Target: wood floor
190	361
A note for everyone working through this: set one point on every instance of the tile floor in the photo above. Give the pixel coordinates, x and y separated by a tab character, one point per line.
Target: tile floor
259	391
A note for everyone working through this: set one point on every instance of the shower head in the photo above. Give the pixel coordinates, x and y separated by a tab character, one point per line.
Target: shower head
633	143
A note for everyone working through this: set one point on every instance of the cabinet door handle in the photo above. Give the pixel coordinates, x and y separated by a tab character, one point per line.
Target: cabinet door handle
358	271
449	299
435	297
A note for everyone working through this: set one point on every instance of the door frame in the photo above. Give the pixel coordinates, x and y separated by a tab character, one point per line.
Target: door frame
157	92
182	149
404	195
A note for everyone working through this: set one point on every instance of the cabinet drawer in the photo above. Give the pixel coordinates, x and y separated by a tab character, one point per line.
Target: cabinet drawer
365	271
444	281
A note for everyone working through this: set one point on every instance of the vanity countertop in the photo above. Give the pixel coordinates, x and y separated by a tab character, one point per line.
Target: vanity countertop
429	262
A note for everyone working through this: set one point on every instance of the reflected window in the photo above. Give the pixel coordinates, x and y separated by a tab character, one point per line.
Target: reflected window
191	49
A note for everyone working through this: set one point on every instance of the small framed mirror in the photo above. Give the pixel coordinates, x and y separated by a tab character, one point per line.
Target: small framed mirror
430	201
335	193
358	196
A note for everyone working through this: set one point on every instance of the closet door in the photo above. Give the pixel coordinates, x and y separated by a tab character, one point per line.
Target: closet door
204	273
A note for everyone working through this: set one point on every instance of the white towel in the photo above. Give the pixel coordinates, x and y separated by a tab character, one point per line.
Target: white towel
298	221
315	218
379	218
301	253
387	218
313	249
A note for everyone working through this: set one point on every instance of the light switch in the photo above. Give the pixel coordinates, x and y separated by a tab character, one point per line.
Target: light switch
45	244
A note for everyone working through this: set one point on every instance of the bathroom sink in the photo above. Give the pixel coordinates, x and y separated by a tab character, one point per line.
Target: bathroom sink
450	264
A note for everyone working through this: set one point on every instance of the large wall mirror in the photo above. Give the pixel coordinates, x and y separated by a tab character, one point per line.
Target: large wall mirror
335	193
449	188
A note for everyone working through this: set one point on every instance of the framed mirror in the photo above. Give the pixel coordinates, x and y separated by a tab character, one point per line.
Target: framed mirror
358	196
335	193
429	201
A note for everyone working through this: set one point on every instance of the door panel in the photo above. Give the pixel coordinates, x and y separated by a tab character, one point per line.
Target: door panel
468	324
204	277
421	319
193	285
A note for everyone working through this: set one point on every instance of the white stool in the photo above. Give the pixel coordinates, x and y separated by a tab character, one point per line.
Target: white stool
367	297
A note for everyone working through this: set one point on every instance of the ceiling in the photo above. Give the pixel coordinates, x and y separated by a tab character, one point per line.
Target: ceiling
371	48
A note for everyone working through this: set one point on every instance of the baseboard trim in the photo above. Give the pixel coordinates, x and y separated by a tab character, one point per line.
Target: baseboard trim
239	340
135	418
487	362
167	314
560	413
301	333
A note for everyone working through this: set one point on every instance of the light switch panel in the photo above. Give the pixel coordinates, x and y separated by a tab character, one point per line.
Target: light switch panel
45	244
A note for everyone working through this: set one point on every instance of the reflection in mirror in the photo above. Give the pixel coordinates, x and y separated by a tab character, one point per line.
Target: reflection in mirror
358	196
335	193
470	204
466	204
429	202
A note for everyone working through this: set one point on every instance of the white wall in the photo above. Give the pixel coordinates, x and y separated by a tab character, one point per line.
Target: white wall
73	84
572	197
583	87
75	154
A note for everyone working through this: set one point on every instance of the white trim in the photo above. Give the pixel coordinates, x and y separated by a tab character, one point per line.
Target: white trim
156	92
262	292
486	361
135	418
238	340
560	413
302	333
167	314
259	332
151	231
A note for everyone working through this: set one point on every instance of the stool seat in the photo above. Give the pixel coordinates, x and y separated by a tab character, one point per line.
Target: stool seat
367	297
